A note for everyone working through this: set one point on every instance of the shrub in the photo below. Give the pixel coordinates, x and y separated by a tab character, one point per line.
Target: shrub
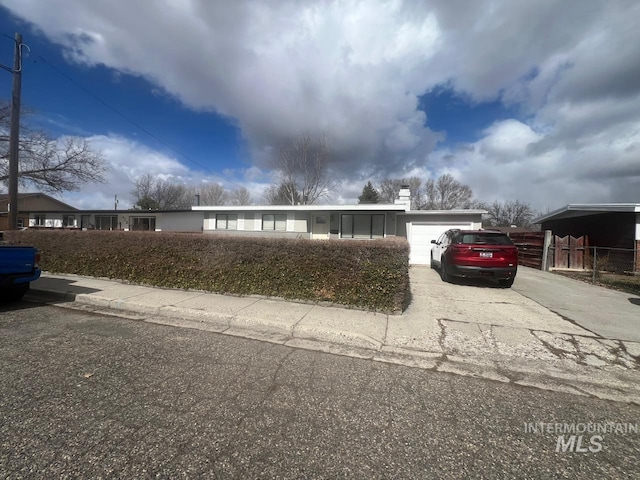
364	274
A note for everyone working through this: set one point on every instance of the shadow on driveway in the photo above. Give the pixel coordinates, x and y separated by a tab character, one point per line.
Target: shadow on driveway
46	290
635	301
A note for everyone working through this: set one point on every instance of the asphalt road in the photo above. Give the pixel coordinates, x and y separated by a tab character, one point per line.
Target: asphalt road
90	396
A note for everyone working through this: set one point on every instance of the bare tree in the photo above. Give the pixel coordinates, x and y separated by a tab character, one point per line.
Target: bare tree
213	194
509	213
390	187
240	196
157	194
447	193
302	167
46	163
283	194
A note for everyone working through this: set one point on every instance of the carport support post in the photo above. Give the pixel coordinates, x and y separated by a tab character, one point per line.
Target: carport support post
595	257
548	235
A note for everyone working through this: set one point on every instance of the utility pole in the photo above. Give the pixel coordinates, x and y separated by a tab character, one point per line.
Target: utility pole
14	134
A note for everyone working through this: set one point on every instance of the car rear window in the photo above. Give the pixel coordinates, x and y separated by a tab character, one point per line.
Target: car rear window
484	239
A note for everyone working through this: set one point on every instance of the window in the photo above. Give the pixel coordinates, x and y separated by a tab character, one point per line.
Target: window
362	226
106	222
276	222
225	221
20	222
68	221
320	219
39	220
145	224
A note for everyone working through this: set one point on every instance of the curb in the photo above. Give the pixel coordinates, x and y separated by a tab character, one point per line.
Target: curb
608	384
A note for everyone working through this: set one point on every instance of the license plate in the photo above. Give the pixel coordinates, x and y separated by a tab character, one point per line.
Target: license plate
486	254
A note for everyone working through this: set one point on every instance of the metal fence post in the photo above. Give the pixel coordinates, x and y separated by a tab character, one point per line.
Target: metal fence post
595	256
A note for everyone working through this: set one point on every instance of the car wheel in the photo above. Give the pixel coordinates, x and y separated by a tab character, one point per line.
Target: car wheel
506	282
443	271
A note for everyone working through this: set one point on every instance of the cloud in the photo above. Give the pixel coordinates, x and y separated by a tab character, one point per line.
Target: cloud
128	160
356	69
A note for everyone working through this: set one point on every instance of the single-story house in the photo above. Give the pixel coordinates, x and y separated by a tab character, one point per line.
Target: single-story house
610	225
140	220
344	222
28	203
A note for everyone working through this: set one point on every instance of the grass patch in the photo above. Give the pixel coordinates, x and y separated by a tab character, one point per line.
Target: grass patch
615	281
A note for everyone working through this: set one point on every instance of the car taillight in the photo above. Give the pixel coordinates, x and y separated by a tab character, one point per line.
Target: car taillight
461	251
37	261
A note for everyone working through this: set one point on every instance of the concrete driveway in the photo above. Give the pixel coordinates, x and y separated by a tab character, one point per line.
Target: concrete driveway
605	312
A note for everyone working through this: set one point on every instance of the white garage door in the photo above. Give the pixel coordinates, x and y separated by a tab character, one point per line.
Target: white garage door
420	236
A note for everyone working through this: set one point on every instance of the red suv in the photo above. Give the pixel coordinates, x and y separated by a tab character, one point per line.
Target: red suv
475	253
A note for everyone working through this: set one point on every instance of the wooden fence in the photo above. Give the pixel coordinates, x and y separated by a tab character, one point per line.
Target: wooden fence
530	248
569	252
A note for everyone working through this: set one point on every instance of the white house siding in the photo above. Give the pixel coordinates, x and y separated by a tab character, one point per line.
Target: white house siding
250	224
179	221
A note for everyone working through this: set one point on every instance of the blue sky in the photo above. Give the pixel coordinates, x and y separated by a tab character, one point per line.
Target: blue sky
398	88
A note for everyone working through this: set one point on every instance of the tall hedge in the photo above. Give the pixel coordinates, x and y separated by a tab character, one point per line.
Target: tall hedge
370	275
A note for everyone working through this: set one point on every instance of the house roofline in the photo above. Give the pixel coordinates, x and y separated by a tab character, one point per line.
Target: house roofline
587	208
5	197
114	212
302	208
445	212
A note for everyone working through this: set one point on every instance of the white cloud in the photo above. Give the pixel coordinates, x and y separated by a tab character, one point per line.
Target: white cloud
355	69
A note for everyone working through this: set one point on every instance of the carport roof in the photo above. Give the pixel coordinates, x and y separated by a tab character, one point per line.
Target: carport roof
584	209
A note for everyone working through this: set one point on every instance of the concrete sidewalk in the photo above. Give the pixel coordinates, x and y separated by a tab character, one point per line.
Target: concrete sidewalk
473	330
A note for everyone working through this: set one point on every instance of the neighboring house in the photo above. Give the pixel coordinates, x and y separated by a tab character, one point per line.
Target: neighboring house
613	225
345	222
38	203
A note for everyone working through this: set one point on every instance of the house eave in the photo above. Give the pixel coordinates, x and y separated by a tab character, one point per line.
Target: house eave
368	207
583	209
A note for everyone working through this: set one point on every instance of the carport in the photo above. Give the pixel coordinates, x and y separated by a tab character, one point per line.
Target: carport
422	226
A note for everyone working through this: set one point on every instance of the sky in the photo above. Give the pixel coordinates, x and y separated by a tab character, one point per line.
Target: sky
531	101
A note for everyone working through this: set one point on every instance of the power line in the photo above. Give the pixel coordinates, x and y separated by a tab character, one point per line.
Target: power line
134	123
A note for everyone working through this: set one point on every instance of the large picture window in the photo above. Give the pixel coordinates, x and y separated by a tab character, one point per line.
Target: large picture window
106	222
276	222
143	224
226	221
362	226
39	220
68	221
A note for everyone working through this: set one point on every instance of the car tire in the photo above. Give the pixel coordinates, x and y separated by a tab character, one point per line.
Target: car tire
506	282
444	275
431	264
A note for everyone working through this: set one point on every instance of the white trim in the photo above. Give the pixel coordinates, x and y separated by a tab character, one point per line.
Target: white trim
373	207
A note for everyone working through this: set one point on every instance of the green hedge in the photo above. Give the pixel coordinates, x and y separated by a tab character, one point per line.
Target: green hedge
371	275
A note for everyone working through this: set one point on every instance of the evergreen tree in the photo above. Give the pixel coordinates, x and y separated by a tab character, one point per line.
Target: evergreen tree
369	194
